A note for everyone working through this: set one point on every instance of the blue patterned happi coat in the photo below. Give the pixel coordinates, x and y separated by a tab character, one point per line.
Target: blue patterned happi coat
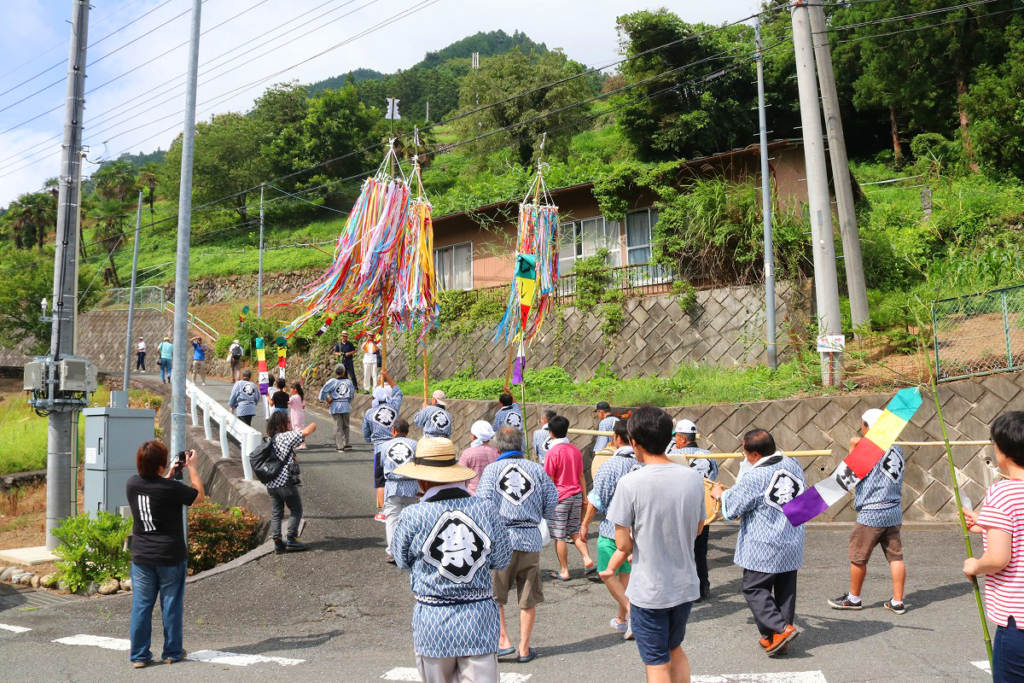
450	543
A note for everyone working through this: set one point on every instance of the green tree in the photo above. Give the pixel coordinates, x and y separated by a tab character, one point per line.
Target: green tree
528	116
149	178
709	111
116	180
30	218
228	162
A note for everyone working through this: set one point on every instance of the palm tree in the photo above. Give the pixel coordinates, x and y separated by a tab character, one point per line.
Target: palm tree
148	178
110	218
116	180
32	216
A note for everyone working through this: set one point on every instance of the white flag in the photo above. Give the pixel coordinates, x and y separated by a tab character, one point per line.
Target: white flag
393	109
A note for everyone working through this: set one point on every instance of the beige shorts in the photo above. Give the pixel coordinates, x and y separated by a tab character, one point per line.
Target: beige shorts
523	572
198	367
863	540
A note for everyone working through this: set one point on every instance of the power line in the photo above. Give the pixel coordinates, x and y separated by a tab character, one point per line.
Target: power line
929	26
904	17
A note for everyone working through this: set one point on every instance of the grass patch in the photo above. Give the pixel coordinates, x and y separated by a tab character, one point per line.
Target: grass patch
689	385
23	447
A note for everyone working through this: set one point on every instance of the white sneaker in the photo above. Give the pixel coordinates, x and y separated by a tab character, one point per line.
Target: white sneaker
628	635
619	626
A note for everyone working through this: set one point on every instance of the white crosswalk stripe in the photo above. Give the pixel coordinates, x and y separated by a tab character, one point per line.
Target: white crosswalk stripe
14	629
209	656
788	677
411	674
984	666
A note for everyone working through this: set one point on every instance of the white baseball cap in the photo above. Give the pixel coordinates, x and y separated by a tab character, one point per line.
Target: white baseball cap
440	398
685	427
871	416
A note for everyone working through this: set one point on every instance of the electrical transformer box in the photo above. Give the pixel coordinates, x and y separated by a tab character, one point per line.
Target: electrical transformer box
112	438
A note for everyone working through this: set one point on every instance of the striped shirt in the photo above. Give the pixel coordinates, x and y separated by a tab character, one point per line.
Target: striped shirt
1003	509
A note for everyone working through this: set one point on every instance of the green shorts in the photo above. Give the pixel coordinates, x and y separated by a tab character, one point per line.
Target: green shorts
605	549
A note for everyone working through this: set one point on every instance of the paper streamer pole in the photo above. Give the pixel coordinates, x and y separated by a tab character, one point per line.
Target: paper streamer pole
415	299
282	355
859	463
261	369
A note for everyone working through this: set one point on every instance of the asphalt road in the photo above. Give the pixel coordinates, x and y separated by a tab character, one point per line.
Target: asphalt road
346	613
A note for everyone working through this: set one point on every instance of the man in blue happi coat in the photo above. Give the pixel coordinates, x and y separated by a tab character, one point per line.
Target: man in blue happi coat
509	414
768	547
878	501
606	420
450	542
524	496
399	492
244	397
338	393
434	419
686	446
378	423
542	437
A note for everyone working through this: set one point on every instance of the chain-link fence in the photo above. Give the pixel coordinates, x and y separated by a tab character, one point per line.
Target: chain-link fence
145	297
979	334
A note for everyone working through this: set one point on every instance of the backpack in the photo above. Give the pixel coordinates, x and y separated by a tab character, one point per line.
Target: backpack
236	351
265	465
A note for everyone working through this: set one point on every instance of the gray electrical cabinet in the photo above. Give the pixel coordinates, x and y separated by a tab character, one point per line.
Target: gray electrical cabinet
112	438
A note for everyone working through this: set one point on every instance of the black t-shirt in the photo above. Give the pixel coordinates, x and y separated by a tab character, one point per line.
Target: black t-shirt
158	533
280	399
344	348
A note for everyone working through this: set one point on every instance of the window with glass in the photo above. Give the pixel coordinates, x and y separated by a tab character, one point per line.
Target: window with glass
640	235
454	266
583	238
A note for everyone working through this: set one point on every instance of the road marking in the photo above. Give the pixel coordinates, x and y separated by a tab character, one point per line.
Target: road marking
97	641
411	674
14	629
216	657
984	666
792	677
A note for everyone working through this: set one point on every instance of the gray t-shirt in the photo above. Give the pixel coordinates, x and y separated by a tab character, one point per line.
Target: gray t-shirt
663	504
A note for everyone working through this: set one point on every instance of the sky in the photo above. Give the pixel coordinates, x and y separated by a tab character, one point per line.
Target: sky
137	58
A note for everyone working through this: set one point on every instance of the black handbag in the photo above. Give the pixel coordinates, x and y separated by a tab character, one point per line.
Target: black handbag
265	464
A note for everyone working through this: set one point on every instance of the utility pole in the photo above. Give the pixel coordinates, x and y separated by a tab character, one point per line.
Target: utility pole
428	112
259	274
59	486
826	285
178	365
840	171
131	307
766	209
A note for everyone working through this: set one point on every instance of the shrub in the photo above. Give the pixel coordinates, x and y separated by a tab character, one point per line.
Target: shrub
92	550
217	534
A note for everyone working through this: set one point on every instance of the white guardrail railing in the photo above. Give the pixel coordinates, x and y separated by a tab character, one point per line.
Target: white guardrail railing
228	424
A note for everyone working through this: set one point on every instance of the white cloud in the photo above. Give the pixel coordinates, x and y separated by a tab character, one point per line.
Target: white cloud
585	29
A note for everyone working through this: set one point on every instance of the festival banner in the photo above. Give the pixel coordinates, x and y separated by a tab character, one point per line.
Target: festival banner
282	354
323	328
261	366
859	463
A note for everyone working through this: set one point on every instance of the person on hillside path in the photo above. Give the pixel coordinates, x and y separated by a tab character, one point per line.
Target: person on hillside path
166	351
509	414
564	464
338	394
280	399
399	492
606	420
658	511
244	397
686	445
524	496
235	359
378	423
601	496
450	543
347	351
198	359
542	437
369	363
768	548
434	419
480	453
878	500
140	355
297	410
284	490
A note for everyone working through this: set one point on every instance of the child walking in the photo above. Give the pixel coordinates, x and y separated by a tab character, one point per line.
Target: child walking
297	410
1002	522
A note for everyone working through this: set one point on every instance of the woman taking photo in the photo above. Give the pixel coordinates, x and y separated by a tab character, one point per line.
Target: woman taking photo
284	490
159	556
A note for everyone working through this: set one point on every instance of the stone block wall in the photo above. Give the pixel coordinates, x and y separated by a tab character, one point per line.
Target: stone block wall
827	423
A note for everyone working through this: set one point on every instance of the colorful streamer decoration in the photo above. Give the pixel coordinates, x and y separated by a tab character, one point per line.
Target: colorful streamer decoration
859	463
261	366
323	328
241	316
536	267
368	255
282	354
415	299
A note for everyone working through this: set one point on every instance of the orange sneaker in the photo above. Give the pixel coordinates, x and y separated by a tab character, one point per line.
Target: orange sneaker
780	640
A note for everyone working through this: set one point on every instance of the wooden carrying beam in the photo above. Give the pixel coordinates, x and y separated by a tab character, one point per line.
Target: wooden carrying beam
811	454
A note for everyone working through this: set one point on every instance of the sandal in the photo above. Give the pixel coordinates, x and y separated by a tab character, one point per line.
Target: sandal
559	577
506	651
530	656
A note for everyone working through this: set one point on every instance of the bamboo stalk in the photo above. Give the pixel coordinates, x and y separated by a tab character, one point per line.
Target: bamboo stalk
426	389
918	444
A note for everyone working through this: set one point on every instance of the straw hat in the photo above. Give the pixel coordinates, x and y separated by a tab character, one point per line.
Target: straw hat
435	461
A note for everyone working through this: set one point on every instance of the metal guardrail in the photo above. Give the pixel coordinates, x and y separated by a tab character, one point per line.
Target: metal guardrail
638	279
145	297
978	334
196	322
228	425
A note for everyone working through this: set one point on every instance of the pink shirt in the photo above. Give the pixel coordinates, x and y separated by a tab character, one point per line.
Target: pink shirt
296	413
477	458
564	464
1003	509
